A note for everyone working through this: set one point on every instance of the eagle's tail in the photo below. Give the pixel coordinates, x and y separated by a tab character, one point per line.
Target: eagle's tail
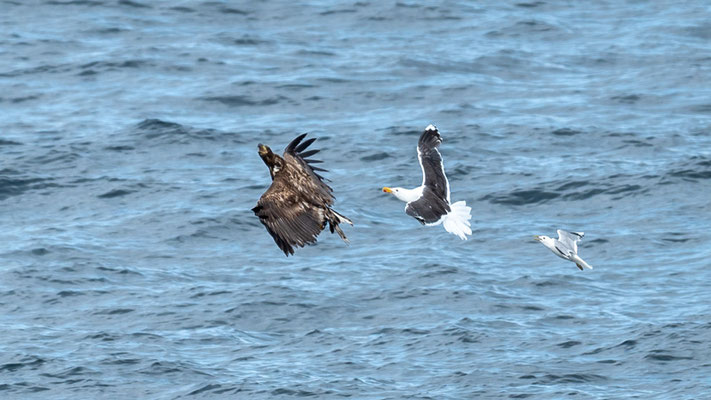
457	220
334	219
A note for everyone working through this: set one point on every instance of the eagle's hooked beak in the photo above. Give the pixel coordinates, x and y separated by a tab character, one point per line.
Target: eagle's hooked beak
262	149
387	190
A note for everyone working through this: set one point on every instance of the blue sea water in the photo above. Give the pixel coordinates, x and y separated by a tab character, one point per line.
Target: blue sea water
131	265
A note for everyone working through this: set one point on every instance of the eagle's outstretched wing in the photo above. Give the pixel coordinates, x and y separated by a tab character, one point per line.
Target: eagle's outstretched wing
304	172
288	218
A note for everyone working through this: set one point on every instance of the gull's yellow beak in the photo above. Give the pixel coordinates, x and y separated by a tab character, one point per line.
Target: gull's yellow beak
387	190
537	237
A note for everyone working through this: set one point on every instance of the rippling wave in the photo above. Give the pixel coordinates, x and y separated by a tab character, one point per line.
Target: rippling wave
571	191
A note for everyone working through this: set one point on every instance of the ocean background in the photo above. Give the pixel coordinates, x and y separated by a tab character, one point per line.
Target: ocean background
131	265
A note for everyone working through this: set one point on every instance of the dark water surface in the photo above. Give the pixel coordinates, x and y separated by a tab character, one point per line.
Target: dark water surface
131	265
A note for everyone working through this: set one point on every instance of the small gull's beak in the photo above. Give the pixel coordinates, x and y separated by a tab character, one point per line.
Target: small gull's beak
537	237
387	190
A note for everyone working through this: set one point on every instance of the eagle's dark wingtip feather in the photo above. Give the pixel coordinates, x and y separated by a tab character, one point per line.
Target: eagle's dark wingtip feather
284	246
294	143
325	180
309	153
305	145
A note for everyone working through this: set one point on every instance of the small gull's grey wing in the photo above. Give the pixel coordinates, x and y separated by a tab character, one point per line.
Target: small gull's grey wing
433	175
570	239
562	249
428	209
288	218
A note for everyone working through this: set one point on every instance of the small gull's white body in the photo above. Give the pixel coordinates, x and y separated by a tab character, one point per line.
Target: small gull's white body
565	247
430	203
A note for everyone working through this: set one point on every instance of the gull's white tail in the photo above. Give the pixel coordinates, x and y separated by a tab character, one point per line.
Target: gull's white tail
580	262
457	220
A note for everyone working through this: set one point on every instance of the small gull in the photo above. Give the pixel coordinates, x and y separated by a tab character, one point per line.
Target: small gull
566	246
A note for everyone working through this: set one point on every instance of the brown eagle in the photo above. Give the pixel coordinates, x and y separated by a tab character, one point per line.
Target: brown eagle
296	207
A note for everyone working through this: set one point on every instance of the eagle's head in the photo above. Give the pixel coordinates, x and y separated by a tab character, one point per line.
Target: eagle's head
273	161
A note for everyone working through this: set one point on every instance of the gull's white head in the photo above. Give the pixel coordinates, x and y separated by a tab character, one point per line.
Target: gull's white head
402	194
395	191
545	240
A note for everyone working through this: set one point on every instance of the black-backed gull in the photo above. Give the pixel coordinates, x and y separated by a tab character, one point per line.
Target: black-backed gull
429	203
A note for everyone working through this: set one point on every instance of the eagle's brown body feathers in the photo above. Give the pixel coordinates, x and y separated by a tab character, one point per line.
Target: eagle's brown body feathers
296	207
